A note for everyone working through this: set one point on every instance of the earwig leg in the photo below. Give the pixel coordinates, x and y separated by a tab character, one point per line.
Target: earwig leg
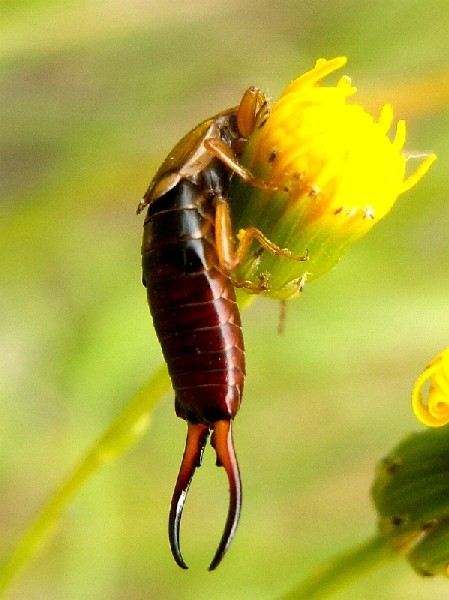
246	237
224	152
231	258
224	447
197	435
252	112
257	288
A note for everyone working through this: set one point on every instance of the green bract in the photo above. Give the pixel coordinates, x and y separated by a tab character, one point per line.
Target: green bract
411	495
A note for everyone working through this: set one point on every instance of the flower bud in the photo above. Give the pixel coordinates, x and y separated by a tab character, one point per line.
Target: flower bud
332	173
435	412
411	495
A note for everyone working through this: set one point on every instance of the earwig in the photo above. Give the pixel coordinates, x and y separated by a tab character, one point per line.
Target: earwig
188	261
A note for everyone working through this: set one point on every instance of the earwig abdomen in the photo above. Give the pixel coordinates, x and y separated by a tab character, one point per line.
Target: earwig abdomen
194	309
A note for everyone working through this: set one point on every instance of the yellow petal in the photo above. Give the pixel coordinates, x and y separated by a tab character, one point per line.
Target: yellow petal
435	411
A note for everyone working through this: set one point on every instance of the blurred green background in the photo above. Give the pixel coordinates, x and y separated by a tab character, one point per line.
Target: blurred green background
93	94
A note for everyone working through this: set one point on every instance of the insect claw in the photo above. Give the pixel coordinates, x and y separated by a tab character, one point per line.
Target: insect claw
197	435
224	447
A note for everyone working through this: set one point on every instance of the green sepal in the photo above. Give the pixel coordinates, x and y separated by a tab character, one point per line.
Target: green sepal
411	495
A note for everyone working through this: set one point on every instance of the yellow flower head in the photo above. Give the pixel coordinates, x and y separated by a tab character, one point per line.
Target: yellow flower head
434	412
333	172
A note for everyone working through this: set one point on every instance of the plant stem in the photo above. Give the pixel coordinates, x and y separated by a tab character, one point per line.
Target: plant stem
124	431
343	570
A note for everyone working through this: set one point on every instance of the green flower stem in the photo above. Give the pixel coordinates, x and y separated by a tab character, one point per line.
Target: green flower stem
125	430
344	570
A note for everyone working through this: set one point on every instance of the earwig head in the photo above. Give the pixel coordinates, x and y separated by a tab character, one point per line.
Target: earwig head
197	435
252	111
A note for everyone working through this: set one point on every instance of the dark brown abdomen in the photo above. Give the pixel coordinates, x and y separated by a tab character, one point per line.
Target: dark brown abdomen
193	306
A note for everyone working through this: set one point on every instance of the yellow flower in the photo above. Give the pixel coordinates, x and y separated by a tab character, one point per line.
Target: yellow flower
435	412
333	173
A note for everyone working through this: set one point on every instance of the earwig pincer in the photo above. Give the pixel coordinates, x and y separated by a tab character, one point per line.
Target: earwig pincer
188	260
